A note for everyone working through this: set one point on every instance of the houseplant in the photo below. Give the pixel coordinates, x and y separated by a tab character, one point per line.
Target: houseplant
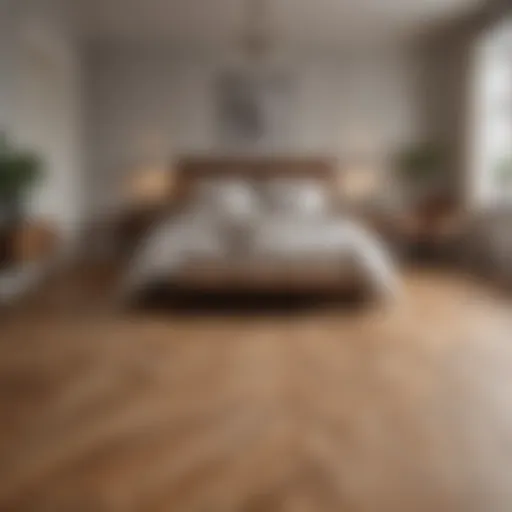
422	171
19	171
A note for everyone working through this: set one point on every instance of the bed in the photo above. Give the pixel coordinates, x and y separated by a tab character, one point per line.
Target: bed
260	225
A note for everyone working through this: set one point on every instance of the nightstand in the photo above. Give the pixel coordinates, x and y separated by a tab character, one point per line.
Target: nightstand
26	253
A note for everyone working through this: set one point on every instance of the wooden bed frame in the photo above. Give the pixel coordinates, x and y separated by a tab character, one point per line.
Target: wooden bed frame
258	169
235	276
134	223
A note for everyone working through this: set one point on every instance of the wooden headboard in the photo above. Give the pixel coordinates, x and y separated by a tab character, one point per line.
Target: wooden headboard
189	170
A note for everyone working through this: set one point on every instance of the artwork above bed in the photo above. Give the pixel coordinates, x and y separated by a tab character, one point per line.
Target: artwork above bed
253	109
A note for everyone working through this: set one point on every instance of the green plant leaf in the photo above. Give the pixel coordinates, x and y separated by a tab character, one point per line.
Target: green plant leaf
19	170
421	162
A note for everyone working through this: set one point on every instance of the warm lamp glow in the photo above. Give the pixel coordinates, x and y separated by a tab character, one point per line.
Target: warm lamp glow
148	185
359	183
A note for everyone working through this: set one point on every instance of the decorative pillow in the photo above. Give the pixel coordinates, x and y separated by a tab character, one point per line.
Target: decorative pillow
232	200
298	197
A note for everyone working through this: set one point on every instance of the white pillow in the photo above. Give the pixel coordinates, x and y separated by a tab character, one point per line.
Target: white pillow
229	199
297	196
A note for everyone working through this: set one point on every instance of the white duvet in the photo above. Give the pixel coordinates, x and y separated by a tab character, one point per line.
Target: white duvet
203	237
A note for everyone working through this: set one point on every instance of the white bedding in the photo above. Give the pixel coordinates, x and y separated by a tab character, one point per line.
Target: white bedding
329	239
197	235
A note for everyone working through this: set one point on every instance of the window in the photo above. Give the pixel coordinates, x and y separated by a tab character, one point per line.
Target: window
491	141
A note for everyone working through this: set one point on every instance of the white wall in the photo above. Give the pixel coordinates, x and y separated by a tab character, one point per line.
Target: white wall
9	11
43	95
16	18
146	103
48	120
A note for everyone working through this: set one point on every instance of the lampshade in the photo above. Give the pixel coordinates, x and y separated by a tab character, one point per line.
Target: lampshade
150	184
360	182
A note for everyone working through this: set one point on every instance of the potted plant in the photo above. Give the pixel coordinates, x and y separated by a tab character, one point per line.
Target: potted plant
19	171
422	171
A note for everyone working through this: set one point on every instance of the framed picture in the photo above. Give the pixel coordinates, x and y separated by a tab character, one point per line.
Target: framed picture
253	109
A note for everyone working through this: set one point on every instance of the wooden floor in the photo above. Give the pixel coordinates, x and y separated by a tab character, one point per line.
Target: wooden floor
406	408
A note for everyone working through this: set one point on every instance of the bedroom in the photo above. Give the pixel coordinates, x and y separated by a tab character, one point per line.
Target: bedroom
210	186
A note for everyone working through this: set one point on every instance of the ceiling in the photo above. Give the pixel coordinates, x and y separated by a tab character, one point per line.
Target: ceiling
297	23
